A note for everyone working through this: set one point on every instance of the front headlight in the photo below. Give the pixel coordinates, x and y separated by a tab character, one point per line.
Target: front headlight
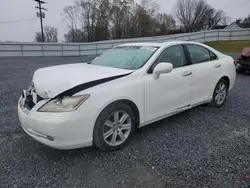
65	104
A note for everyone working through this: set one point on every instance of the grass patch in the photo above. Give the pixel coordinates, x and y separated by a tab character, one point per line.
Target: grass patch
229	46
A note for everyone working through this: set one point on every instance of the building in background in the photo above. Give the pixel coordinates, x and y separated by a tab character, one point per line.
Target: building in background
232	26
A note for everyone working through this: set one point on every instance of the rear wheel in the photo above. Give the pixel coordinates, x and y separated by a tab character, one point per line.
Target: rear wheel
220	94
114	127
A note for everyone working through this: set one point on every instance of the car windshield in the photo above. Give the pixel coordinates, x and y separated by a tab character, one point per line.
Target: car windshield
126	57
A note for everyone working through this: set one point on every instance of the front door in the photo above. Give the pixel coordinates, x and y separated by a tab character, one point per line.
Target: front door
171	91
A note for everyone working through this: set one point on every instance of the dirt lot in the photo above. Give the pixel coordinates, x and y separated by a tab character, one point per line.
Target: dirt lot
202	147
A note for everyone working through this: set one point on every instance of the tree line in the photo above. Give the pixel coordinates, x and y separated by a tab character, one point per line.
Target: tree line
95	20
50	35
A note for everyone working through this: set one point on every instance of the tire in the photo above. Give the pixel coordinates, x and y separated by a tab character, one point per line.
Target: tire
107	129
218	93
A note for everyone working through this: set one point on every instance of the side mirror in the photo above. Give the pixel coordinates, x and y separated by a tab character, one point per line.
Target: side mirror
96	58
162	68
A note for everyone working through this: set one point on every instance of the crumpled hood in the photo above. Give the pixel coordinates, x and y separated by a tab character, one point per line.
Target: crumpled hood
51	81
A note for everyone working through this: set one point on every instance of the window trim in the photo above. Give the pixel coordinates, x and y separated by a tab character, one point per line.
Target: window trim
209	52
150	71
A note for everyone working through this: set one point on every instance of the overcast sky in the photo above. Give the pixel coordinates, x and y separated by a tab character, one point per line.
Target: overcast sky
25	9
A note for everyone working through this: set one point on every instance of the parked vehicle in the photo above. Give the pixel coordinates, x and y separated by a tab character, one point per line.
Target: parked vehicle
102	103
243	62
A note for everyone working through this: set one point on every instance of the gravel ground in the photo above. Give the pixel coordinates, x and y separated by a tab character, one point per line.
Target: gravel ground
202	147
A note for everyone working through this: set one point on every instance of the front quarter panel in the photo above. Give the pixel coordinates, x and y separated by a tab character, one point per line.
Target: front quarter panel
130	87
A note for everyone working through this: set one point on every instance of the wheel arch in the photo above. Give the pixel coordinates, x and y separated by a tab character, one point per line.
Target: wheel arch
134	108
127	102
226	78
213	102
130	104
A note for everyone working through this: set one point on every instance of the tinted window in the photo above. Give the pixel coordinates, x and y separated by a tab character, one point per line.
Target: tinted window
174	55
198	54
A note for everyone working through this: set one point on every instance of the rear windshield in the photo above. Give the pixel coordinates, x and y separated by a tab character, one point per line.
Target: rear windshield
126	57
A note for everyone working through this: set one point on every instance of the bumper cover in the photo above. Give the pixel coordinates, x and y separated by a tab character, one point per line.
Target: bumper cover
57	130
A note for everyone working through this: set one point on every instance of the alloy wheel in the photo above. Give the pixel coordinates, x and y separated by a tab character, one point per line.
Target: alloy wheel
220	93
117	128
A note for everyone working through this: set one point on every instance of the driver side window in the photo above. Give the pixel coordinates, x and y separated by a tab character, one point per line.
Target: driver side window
173	54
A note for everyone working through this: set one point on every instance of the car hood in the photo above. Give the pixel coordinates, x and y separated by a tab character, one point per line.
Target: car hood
52	81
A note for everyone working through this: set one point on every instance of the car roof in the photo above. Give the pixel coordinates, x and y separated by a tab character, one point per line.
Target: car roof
159	44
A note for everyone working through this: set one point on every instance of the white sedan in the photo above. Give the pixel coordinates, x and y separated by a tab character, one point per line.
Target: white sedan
102	103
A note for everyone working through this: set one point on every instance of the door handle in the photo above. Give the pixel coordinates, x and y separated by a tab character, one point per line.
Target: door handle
187	73
217	65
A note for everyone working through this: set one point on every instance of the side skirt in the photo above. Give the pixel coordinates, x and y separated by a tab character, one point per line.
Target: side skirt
179	110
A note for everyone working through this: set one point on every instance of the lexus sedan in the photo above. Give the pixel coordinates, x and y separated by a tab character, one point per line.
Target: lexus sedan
103	102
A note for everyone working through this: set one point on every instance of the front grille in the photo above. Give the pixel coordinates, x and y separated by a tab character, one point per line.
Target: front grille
29	104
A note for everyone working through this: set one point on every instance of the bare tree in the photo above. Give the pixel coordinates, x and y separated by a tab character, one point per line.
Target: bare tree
75	36
146	11
123	19
215	17
38	37
103	17
164	23
71	17
244	22
50	34
86	12
247	20
196	15
93	20
191	14
225	21
118	10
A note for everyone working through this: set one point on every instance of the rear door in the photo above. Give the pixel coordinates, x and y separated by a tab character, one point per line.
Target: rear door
206	69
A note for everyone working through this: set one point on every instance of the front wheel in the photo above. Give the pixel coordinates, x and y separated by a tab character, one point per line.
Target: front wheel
220	94
114	127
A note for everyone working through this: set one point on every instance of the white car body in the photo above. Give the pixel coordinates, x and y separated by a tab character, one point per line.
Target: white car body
154	99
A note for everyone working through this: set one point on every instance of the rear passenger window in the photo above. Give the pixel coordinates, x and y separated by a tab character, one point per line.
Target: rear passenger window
198	54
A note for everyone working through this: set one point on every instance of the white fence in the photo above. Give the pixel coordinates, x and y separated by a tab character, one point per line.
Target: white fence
97	48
